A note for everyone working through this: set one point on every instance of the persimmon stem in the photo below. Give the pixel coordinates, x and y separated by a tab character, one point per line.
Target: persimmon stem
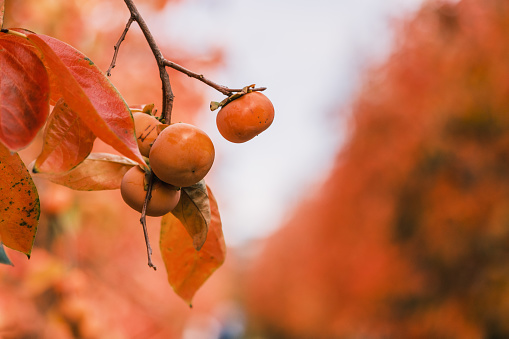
143	219
117	45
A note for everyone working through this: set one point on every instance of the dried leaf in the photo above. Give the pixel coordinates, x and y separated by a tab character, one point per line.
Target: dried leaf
88	92
99	171
67	141
24	92
19	203
186	267
193	211
215	105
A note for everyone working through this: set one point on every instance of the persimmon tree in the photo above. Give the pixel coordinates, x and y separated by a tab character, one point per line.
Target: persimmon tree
48	83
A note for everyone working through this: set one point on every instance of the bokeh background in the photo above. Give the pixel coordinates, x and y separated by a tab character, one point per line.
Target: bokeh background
376	206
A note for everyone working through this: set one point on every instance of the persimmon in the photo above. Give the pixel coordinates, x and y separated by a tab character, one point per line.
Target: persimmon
164	196
145	126
181	155
246	117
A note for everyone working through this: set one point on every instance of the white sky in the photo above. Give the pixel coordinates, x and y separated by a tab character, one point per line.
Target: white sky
309	54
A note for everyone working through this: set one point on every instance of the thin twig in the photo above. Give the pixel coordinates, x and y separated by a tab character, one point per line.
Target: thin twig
223	89
144	221
165	79
117	45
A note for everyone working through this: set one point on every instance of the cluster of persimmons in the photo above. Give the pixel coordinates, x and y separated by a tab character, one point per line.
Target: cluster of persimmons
180	154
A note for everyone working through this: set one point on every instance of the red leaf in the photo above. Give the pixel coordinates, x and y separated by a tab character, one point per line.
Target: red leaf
88	92
186	267
19	203
98	172
193	211
67	141
24	92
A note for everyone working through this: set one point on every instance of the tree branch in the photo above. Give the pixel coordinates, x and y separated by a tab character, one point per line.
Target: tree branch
165	79
223	89
162	63
168	96
117	45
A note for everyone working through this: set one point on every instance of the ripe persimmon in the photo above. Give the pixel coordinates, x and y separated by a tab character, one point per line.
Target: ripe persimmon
145	126
246	117
164	196
181	155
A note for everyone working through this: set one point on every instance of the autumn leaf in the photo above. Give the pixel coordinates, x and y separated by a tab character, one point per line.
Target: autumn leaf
19	203
4	259
24	92
67	141
88	92
186	267
98	172
193	211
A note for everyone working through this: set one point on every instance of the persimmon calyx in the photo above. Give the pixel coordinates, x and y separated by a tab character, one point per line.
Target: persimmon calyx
215	105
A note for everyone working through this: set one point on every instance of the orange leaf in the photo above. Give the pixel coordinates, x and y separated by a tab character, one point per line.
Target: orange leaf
88	92
19	203
24	92
193	211
67	141
98	172
186	267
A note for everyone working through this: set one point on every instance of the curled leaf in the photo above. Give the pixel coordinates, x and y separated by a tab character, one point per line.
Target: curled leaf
67	141
193	211
214	105
187	268
148	108
99	171
19	203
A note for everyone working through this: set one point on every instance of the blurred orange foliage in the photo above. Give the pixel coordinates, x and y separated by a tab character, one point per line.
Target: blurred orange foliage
409	236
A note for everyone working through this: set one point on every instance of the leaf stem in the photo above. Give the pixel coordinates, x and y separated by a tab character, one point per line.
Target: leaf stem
143	219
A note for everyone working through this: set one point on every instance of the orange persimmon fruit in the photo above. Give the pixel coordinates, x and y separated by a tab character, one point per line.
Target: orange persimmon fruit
246	117
181	155
145	126
164	196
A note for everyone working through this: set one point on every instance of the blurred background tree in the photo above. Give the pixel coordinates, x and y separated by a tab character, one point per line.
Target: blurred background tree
409	236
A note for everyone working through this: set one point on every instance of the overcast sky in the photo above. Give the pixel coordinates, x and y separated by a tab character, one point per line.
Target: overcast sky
309	54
